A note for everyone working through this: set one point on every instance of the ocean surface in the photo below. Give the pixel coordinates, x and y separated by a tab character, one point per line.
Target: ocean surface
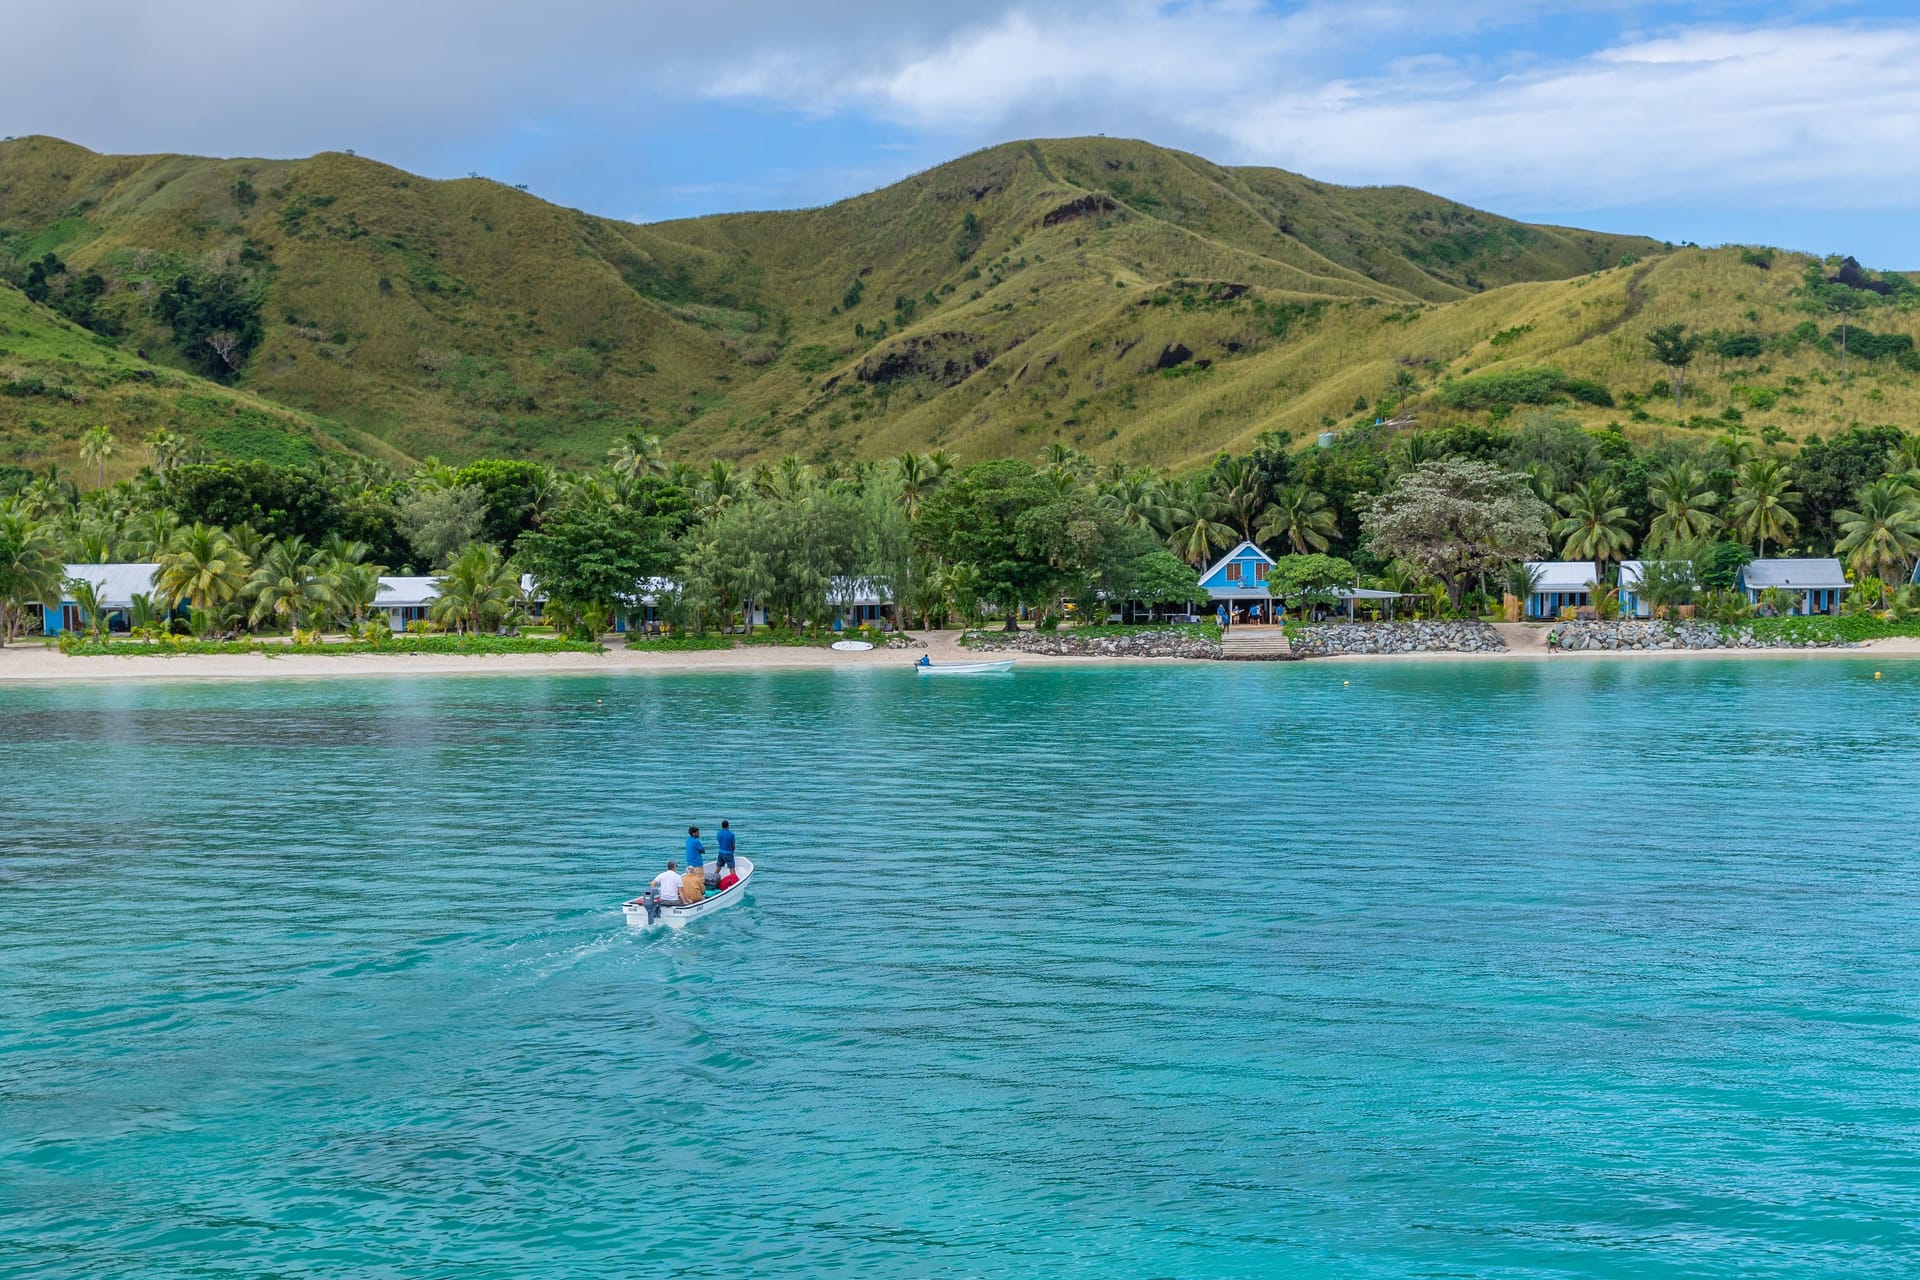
1321	969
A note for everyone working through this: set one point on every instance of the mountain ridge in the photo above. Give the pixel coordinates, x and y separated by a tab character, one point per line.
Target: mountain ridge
1130	300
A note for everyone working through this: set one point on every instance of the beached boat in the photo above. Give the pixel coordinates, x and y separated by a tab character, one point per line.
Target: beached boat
676	917
963	668
851	646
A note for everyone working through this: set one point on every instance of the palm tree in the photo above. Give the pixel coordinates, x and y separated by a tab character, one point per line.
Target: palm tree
1237	485
1596	526
30	568
356	582
1195	528
1299	517
96	446
1883	536
915	473
153	530
1136	497
1904	459
202	566
85	593
637	455
163	450
1684	499
1763	503
719	489
478	592
290	585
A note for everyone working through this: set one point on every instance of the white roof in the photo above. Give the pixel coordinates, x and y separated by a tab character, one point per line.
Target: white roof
401	593
1797	575
1630	572
116	584
1562	575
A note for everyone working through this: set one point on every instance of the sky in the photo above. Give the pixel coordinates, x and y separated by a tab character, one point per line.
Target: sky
1717	121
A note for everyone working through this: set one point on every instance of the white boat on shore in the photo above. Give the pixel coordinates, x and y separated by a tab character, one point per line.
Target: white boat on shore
963	668
676	916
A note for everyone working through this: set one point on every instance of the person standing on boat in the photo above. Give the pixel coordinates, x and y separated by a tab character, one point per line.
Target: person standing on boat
693	886
724	858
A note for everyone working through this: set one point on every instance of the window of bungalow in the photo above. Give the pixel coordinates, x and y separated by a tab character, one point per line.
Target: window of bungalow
1260	573
1233	572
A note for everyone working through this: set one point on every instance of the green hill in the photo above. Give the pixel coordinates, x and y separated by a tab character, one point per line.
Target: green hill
1124	298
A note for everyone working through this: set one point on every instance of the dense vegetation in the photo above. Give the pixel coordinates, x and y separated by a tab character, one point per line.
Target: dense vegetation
1447	514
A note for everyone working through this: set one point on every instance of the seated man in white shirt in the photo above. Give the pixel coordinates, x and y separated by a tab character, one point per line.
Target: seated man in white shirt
667	886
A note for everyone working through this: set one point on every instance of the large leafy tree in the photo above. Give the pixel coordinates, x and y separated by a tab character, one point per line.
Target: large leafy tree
975	520
285	502
1830	473
593	556
1455	519
516	494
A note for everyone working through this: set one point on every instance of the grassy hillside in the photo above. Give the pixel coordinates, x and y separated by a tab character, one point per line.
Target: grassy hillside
57	379
1124	298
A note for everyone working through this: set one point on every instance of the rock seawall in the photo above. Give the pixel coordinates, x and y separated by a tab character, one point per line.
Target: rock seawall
1616	637
1354	638
1065	644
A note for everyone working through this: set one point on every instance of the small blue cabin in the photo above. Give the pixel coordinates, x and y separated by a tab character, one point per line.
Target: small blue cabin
1237	581
114	584
1560	584
1817	585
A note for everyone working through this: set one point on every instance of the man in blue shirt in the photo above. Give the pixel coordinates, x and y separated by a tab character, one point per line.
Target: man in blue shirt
696	852
725	841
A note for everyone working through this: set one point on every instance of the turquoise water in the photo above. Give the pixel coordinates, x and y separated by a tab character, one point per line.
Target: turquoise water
1565	969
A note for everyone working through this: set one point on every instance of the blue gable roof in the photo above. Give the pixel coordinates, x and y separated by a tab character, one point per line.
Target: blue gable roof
1252	564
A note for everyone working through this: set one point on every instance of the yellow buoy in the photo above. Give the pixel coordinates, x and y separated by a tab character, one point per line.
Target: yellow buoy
1876	675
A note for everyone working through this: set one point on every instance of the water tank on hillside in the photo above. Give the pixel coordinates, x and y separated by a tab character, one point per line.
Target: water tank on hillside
1326	440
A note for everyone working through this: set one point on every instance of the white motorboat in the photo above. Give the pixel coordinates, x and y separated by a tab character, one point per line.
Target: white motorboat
963	668
851	646
676	916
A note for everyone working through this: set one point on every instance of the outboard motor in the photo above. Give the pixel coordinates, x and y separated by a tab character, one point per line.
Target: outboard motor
651	900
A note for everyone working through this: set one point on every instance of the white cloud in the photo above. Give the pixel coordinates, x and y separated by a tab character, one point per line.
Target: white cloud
1793	115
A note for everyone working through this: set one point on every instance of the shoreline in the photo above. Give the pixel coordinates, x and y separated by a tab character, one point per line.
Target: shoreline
36	665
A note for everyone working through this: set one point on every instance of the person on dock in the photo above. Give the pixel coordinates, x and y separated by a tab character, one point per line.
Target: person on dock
723	860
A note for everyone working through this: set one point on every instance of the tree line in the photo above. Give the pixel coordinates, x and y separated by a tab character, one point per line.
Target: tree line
1447	513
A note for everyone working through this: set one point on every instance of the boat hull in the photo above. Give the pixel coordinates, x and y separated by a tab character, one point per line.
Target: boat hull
679	917
965	668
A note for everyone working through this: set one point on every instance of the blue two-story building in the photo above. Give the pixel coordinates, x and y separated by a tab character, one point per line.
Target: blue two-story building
1237	583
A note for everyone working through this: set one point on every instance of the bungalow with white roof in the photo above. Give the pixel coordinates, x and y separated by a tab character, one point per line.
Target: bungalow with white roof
116	586
1817	585
407	599
1560	584
1237	581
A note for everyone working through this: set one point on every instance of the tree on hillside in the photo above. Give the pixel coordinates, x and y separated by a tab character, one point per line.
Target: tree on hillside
1675	348
1456	519
96	446
1763	502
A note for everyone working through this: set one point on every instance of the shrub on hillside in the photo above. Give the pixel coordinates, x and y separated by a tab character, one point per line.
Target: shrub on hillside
1506	388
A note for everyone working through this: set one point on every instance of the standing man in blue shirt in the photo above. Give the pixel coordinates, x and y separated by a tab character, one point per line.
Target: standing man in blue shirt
693	886
725	840
696	852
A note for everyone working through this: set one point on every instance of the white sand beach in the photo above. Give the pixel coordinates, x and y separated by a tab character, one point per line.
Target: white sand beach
34	661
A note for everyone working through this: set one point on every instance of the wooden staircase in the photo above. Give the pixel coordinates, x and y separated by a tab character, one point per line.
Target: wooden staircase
1256	644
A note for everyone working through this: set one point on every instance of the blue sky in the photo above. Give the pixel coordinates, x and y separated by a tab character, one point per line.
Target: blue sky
1794	124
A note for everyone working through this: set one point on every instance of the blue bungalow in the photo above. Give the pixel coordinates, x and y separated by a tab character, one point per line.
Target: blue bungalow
1560	584
116	586
1817	585
1238	581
